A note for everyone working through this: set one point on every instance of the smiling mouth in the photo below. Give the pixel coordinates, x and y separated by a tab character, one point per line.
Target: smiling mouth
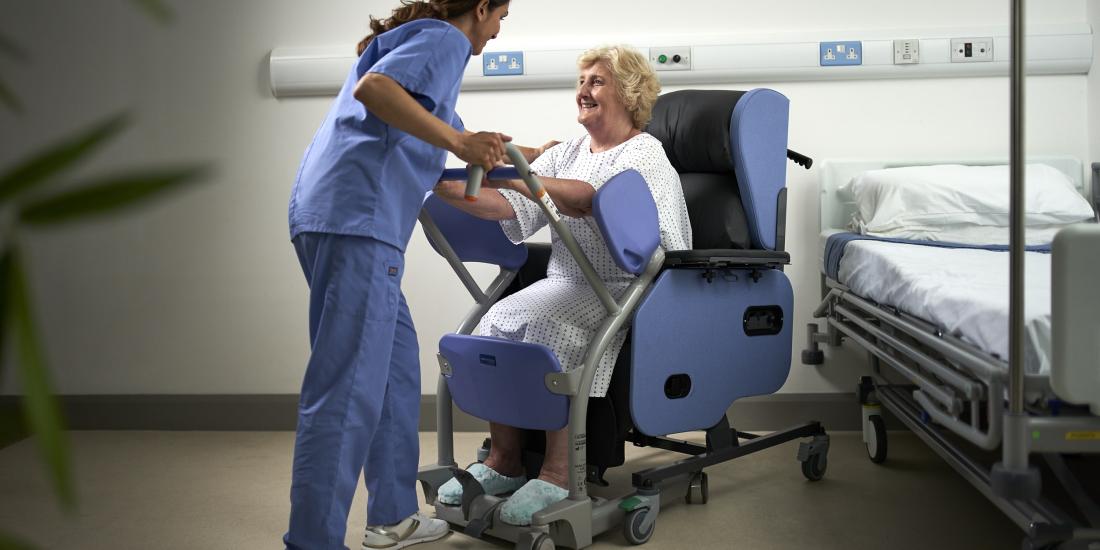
588	104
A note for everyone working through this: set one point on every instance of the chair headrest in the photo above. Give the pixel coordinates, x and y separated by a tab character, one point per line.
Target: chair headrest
694	128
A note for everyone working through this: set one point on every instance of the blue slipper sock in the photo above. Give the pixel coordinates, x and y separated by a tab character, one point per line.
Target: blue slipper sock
532	497
491	482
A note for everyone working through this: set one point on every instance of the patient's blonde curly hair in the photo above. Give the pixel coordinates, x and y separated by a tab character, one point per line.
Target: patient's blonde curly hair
635	80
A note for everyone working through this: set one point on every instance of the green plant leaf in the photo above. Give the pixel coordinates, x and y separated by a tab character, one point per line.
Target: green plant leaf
157	10
40	406
107	195
9	99
59	157
8	542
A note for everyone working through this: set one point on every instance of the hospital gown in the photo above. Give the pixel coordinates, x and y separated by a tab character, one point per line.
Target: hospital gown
562	311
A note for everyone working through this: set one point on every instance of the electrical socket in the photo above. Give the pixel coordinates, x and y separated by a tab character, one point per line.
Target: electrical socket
840	53
501	63
971	50
906	52
676	58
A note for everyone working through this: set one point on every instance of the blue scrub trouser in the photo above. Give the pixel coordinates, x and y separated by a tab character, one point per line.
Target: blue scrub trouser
360	403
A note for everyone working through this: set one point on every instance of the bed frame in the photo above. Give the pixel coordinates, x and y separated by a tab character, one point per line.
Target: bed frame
952	394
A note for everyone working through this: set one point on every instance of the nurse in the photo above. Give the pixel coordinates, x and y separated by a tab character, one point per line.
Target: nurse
382	146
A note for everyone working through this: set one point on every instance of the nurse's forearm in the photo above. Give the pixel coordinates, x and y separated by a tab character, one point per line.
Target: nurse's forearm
490	205
387	100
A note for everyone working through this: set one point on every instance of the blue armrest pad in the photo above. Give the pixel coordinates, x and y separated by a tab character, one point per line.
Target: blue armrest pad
474	239
504	381
627	217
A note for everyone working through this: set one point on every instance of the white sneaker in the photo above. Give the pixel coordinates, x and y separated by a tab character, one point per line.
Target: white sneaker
415	529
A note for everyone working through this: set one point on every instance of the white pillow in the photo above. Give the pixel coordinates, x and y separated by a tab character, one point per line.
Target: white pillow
960	203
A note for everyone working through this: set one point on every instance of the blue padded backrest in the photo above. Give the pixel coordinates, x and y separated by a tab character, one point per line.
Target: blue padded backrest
720	138
627	217
474	239
758	139
504	381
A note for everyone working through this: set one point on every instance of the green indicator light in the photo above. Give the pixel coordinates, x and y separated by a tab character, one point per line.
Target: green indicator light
1035	434
662	58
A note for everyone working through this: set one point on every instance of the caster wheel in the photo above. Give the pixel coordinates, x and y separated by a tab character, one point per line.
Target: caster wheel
814	467
810	357
697	492
632	527
543	542
876	447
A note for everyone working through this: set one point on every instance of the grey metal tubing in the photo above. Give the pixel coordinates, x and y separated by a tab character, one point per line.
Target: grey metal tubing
491	295
823	308
988	440
967	359
1022	513
552	216
444	424
440	241
1016	209
949	401
969	388
578	405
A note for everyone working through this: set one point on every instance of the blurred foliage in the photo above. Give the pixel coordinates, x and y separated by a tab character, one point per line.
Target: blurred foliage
34	194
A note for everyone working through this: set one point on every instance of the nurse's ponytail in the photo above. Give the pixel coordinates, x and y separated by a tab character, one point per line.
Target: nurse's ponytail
411	10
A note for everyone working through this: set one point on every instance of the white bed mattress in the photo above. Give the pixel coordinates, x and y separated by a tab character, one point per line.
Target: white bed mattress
963	291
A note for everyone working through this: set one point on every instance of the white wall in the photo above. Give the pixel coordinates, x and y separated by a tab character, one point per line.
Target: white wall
202	293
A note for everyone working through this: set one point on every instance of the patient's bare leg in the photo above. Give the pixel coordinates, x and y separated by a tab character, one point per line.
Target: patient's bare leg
555	466
505	452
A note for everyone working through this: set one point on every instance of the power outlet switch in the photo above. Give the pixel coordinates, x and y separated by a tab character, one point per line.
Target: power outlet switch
840	53
971	50
501	63
906	52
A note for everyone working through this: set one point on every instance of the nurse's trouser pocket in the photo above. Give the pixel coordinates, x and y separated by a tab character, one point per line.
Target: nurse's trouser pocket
347	275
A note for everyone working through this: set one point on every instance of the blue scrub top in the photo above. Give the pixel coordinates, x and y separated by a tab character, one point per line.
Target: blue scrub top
363	177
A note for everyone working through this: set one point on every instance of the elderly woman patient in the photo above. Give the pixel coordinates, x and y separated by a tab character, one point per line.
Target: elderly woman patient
616	91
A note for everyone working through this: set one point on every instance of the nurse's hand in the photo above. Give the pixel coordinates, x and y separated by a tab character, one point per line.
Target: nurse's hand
482	148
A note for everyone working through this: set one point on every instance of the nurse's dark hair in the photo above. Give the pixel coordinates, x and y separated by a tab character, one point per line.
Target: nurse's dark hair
411	10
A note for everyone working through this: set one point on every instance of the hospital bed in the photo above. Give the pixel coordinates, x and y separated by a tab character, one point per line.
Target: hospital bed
707	326
939	359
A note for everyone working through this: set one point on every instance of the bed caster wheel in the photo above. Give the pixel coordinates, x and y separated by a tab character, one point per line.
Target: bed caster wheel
814	466
813	357
633	526
541	542
876	442
697	492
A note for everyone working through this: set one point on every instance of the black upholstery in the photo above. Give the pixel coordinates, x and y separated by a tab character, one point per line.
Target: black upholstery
694	128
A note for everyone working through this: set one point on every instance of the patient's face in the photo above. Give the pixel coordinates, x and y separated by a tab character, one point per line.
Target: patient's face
598	102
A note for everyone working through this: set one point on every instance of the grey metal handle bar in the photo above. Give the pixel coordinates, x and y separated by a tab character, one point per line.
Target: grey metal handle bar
473	186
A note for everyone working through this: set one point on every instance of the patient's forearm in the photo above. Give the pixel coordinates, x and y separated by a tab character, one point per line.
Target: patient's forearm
490	205
572	197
